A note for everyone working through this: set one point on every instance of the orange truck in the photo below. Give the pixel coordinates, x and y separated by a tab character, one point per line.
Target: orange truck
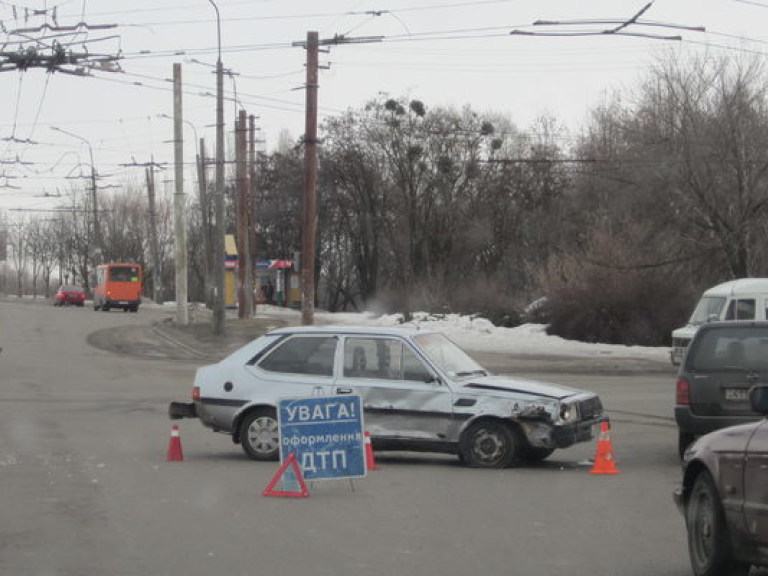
118	285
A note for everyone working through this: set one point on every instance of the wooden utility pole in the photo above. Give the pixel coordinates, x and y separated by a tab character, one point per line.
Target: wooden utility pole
309	206
219	314
243	251
252	238
205	224
309	212
157	272
180	230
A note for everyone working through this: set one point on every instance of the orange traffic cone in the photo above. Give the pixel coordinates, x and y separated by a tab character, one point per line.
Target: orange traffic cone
604	461
370	461
175	453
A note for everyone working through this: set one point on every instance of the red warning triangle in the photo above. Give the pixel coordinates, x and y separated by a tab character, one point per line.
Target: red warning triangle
302	493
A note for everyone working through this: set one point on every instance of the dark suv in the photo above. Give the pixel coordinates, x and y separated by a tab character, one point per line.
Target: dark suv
724	360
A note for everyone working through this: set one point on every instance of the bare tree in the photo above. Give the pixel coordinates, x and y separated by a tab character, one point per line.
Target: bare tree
708	123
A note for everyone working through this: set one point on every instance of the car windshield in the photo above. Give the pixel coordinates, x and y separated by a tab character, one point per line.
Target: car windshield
448	356
707	307
123	274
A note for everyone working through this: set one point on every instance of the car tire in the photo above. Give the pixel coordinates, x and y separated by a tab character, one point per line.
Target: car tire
684	439
708	539
490	444
259	434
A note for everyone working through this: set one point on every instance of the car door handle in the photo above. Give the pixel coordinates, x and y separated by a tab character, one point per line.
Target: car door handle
343	390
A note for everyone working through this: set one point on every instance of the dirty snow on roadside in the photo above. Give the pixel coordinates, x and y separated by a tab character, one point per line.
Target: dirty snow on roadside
479	334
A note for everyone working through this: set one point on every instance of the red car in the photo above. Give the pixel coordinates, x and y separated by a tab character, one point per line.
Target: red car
69	294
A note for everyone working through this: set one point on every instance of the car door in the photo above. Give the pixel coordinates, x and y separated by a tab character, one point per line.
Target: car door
756	485
401	398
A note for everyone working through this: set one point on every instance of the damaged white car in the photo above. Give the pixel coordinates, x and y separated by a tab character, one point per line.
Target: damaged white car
420	392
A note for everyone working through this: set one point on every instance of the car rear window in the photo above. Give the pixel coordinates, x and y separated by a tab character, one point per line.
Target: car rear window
302	355
733	348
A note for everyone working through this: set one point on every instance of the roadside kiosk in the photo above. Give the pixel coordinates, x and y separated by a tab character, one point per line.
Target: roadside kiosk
230	271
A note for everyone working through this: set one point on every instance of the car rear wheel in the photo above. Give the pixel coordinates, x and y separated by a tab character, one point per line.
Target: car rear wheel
684	439
259	434
490	444
708	538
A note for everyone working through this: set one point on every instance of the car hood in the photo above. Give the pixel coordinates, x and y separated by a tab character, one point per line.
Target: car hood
687	331
493	385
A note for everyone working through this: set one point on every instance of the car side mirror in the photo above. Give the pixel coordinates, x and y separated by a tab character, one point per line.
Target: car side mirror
758	399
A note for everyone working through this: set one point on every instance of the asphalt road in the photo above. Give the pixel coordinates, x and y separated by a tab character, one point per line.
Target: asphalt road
86	490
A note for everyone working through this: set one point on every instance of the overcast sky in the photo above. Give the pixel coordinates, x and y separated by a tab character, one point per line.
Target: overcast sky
443	52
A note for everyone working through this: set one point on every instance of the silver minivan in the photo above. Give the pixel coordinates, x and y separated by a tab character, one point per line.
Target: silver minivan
743	299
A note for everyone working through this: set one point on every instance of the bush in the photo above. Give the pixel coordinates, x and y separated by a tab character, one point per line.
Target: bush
631	307
482	298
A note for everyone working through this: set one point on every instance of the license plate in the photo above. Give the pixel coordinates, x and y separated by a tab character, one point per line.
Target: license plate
736	394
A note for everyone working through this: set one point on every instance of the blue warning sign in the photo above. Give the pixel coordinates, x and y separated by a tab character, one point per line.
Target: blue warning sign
325	433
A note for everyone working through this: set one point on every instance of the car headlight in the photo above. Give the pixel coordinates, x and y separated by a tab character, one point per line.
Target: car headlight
569	412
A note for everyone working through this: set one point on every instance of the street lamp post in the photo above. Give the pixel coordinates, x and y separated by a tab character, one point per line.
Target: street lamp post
96	230
219	230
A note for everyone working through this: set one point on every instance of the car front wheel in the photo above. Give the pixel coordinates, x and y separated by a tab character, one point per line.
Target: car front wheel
708	539
490	444
259	435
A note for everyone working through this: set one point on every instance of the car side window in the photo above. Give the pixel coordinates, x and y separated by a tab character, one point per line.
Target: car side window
413	367
742	309
745	309
369	358
382	358
302	355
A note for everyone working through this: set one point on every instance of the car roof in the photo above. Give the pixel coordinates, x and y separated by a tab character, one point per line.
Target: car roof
739	287
731	324
405	330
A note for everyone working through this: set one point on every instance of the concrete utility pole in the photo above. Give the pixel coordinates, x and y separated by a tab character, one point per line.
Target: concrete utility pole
153	246
182	311
220	229
309	224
